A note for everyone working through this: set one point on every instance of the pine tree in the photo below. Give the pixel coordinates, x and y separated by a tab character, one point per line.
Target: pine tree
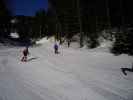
123	43
4	20
40	23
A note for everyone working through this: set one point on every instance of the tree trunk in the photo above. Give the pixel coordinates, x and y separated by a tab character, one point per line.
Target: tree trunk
80	23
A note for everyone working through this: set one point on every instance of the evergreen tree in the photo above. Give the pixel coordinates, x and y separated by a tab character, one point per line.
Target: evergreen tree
66	14
123	43
4	20
41	24
51	22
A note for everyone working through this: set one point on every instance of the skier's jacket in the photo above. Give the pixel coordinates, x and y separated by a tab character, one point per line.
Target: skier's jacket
55	46
25	52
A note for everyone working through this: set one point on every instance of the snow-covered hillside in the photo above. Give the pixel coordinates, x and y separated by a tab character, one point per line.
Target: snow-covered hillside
74	74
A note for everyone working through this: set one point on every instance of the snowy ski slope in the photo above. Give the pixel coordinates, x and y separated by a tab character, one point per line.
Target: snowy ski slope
74	74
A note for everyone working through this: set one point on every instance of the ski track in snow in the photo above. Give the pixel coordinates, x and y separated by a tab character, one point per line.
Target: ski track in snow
70	75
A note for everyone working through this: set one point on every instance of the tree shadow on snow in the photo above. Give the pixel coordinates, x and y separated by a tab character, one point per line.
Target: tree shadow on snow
127	69
33	58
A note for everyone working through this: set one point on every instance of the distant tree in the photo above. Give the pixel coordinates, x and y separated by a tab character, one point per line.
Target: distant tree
32	26
66	16
4	20
40	23
23	26
3	9
123	43
51	22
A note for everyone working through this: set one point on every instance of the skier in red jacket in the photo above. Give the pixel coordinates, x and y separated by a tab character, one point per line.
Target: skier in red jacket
25	53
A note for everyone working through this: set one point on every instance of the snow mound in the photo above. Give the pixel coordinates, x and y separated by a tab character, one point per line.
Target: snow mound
42	41
14	35
45	40
106	44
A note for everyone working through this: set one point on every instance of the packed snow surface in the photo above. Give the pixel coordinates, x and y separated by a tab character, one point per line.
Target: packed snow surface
42	41
73	74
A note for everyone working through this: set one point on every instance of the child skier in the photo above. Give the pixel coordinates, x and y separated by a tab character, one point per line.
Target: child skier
68	43
56	48
25	53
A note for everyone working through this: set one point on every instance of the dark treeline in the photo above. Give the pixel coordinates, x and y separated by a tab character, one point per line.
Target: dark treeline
104	13
66	18
30	26
27	27
90	17
95	15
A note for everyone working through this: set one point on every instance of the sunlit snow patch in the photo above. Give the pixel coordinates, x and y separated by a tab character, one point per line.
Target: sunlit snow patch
42	41
106	44
14	35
